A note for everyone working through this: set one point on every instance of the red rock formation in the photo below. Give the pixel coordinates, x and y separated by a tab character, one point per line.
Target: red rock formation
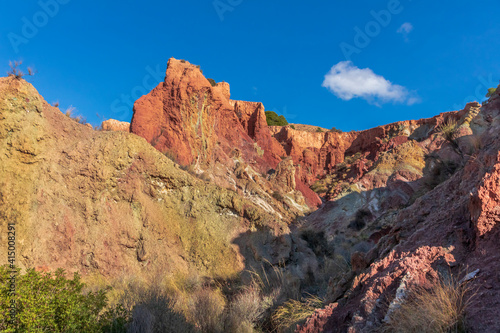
188	117
453	228
195	122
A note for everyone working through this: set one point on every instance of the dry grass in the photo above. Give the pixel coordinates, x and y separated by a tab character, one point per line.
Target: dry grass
70	112
286	317
207	310
448	129
439	309
17	73
245	310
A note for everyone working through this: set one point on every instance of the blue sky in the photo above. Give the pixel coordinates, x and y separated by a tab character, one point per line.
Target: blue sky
384	61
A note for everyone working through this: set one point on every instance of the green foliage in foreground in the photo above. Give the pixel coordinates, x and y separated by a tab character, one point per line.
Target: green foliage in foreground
49	302
273	119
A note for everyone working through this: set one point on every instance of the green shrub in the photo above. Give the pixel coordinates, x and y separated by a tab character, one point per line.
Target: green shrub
359	221
212	82
335	130
273	119
278	196
319	130
491	91
293	127
316	241
49	302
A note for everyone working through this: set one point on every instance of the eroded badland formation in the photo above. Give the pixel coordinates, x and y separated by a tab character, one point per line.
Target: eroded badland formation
199	185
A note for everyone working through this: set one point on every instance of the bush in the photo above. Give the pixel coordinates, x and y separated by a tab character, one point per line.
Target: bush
335	130
316	241
157	314
319	130
47	302
491	91
359	221
245	310
293	127
212	82
207	310
438	309
273	119
278	196
17	73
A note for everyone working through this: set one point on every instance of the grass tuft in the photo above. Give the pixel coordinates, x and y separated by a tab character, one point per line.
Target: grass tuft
438	309
448	129
293	312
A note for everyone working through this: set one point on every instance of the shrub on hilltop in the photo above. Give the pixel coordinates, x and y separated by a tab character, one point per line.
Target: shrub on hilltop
212	82
273	119
491	91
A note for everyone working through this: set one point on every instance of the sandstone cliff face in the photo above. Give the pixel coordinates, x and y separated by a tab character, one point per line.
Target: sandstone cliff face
199	125
194	120
115	125
449	227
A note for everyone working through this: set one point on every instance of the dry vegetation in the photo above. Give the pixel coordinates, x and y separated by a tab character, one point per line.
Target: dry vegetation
448	129
16	72
438	309
268	299
293	312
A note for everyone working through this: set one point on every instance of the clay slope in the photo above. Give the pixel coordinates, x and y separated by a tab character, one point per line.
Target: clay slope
109	204
427	208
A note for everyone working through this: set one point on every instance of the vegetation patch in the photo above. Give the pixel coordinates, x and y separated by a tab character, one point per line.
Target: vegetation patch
287	316
440	308
212	82
273	119
49	302
448	129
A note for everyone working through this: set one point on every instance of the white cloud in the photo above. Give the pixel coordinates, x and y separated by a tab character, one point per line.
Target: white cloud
347	81
405	29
